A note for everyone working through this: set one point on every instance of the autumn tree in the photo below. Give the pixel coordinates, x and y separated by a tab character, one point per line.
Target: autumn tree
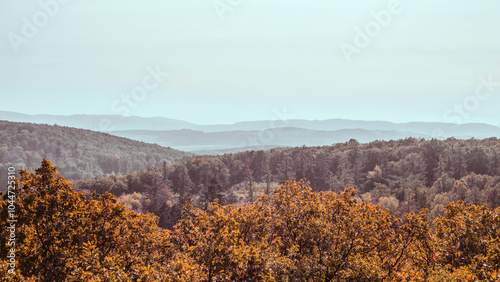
467	238
299	235
293	234
61	236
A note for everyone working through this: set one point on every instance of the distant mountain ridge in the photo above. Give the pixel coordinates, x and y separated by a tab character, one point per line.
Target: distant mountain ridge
101	123
219	142
187	136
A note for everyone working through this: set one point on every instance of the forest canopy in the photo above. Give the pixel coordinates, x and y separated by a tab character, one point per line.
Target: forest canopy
79	153
403	176
294	234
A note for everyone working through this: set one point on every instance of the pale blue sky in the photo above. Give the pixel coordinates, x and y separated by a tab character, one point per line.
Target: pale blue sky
264	57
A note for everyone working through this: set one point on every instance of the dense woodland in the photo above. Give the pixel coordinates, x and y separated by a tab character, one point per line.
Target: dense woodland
417	210
295	234
403	176
78	153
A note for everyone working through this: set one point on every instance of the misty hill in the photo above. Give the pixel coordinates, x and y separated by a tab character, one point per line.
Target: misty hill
78	153
238	141
434	129
101	122
118	123
255	135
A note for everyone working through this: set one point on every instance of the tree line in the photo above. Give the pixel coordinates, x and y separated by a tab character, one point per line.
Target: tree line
403	176
293	234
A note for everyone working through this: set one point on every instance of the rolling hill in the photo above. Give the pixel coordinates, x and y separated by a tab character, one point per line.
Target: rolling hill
241	140
78	153
253	135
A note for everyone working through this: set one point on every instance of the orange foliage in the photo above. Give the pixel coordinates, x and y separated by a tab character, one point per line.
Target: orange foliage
293	235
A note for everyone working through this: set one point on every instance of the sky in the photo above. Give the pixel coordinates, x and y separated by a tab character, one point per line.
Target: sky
224	61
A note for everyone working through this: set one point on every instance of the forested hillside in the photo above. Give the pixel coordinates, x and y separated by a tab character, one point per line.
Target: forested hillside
403	176
78	153
293	235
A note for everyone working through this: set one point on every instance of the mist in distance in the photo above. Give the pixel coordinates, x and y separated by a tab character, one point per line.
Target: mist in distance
213	62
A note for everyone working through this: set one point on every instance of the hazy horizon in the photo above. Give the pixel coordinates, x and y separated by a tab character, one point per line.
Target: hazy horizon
279	117
221	62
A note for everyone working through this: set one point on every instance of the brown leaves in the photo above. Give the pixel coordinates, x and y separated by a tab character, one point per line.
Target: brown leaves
292	235
61	236
469	236
297	235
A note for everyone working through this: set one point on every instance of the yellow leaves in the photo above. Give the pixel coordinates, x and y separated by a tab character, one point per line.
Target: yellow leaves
67	238
293	235
296	234
466	239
